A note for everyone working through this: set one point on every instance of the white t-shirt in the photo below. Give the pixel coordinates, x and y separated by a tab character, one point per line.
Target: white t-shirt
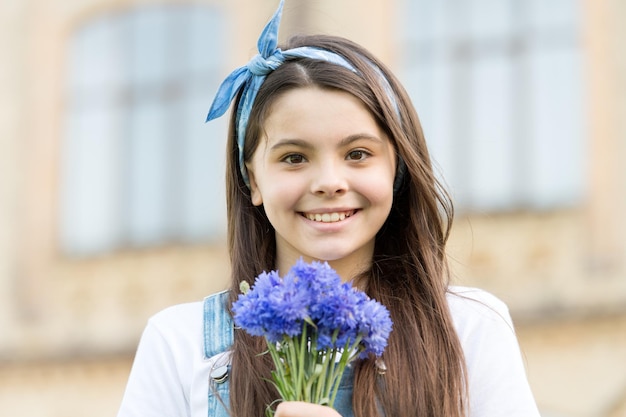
170	375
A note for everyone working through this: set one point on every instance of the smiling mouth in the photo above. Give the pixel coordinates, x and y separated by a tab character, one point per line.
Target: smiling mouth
329	217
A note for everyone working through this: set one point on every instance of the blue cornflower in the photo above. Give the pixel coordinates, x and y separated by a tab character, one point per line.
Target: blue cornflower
273	308
374	325
312	321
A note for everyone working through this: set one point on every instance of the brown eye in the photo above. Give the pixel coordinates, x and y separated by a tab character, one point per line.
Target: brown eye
294	159
357	155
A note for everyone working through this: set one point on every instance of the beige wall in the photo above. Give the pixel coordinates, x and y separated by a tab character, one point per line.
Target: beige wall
69	327
10	107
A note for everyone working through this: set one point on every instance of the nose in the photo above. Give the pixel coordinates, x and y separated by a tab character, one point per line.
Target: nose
329	180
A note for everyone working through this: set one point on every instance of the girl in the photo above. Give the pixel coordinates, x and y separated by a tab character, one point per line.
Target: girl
327	161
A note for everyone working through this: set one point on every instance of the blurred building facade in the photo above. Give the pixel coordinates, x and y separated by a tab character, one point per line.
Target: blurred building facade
111	203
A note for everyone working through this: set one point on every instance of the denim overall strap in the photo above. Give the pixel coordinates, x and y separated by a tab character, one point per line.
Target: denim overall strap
218	325
218	338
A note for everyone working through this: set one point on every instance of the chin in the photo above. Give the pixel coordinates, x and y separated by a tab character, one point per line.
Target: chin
328	256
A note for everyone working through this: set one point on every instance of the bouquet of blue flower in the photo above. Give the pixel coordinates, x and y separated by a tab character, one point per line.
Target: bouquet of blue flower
314	325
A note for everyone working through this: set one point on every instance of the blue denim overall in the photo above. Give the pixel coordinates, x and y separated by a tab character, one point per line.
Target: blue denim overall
218	338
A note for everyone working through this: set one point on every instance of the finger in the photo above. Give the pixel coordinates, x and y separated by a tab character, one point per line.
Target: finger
302	409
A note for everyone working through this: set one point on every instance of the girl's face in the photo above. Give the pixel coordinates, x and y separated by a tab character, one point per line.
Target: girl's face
324	173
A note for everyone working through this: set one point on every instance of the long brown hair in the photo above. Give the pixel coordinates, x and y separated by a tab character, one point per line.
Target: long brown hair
424	359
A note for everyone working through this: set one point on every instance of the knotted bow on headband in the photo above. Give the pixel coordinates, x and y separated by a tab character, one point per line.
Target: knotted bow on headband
251	76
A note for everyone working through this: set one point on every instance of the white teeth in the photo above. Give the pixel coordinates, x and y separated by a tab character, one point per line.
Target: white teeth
328	217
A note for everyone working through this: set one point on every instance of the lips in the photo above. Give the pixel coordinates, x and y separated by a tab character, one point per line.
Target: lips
331	217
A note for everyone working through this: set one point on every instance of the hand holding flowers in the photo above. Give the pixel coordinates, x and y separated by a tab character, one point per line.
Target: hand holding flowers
303	409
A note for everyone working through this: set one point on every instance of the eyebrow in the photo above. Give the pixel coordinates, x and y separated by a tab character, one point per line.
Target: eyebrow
358	136
291	142
307	145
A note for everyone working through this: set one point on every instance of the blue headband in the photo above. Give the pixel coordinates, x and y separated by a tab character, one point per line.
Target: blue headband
250	77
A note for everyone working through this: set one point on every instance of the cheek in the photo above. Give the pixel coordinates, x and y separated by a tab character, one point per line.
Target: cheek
378	189
382	195
378	184
282	191
276	190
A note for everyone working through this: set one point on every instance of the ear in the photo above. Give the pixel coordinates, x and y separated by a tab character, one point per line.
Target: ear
255	193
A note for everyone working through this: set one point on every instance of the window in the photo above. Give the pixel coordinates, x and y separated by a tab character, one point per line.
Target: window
139	165
498	87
